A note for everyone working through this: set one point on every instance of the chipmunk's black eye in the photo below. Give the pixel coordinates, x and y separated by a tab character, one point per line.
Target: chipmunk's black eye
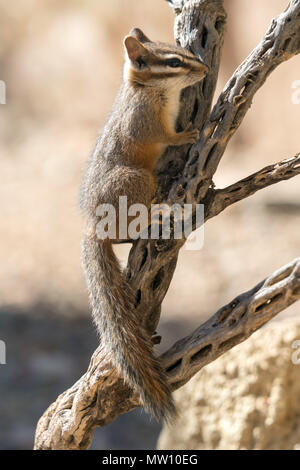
141	63
173	62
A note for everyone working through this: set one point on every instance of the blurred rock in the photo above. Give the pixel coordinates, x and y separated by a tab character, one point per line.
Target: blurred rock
247	399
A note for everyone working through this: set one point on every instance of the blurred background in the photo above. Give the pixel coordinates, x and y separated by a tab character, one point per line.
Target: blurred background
62	65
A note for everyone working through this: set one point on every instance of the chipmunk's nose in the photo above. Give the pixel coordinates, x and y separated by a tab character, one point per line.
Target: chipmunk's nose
205	68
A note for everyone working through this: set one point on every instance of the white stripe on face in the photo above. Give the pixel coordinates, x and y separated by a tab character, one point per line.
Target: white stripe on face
163	69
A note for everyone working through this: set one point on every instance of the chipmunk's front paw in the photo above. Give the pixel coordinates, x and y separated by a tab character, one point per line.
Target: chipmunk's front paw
188	136
192	135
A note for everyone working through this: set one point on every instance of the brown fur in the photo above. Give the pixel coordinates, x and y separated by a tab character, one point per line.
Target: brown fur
135	135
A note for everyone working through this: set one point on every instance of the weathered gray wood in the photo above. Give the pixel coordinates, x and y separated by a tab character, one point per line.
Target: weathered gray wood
219	199
100	396
232	324
199	27
185	175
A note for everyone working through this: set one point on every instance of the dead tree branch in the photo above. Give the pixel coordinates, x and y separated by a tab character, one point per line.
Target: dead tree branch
185	175
220	199
95	401
233	324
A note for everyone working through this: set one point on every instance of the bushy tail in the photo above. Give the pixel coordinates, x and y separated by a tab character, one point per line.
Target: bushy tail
128	346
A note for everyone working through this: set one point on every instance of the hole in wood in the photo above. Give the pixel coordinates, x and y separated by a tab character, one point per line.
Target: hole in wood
203	87
232	82
219	24
157	280
231	341
174	366
204	352
235	190
267	302
144	259
224	314
195	110
204	37
286	43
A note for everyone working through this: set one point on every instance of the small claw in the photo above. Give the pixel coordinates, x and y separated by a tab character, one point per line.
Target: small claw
193	135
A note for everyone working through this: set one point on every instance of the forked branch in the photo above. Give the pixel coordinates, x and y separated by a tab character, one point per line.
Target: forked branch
280	43
100	395
185	175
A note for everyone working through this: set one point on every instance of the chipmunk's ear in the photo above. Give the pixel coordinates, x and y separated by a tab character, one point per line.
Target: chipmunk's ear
135	50
138	33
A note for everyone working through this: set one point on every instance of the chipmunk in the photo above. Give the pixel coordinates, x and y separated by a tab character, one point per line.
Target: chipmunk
138	130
